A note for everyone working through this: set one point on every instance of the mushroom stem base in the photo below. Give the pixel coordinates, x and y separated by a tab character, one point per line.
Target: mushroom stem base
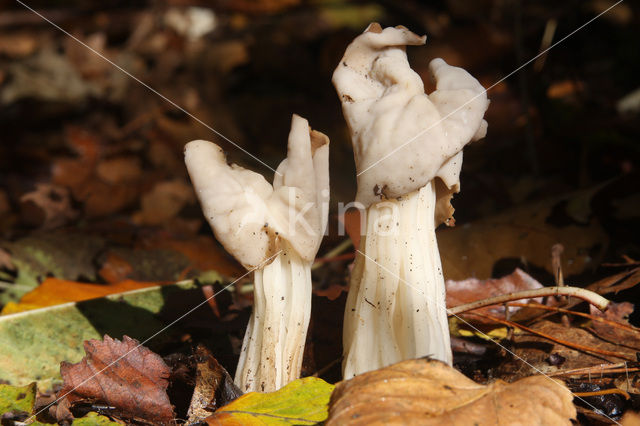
396	307
273	344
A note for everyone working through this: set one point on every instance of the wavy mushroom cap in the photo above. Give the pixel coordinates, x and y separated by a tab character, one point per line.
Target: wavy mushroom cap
402	137
252	218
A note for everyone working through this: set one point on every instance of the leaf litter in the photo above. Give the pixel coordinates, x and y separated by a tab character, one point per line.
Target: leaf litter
110	154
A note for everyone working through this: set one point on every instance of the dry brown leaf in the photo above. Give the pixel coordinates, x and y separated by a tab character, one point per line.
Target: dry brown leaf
214	386
202	251
115	268
47	207
429	392
164	202
119	170
617	312
631	418
523	234
17	45
537	351
120	374
473	289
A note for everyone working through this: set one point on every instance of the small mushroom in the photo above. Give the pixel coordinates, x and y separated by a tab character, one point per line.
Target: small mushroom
408	153
276	230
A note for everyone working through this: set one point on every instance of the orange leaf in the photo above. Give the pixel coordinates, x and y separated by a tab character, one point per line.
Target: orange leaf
54	291
115	268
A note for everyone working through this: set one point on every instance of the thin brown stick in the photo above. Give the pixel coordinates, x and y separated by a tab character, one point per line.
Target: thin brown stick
593	370
581	293
603	392
326	367
554	339
580	314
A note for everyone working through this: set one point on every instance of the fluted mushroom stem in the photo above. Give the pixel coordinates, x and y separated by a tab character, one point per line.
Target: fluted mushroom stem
273	344
396	307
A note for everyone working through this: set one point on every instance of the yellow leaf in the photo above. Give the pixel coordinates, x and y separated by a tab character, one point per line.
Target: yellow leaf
301	402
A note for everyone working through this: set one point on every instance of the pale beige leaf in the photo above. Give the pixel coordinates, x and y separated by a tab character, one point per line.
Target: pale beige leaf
429	392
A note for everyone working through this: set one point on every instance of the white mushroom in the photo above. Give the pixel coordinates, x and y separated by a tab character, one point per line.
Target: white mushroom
408	153
277	230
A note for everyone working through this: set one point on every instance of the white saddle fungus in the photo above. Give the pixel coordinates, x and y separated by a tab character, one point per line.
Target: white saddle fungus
276	229
408	153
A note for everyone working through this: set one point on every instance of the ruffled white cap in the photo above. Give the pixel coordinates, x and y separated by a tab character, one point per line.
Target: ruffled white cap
402	137
252	218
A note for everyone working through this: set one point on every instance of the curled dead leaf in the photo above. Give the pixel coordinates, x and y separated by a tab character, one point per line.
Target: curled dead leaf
429	392
214	386
121	374
626	334
473	289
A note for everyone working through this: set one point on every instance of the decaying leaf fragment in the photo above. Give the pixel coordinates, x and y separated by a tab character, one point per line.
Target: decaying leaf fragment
429	392
120	374
473	289
626	335
214	386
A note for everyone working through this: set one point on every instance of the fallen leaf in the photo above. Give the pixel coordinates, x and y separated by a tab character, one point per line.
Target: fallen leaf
18	45
536	350
45	76
47	207
54	291
523	235
122	374
429	392
301	402
153	264
617	312
214	386
17	399
630	418
473	289
94	419
164	202
115	268
32	344
202	251
59	254
119	170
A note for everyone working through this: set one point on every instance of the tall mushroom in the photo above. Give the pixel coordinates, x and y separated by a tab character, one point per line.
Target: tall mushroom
276	230
408	153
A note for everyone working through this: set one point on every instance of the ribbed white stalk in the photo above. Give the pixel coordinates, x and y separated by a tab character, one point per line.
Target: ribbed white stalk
273	344
396	307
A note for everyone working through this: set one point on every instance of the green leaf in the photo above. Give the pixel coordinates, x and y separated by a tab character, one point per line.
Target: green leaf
13	398
94	419
301	402
33	343
59	254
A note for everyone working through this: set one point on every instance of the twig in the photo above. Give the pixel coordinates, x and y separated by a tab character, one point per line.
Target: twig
581	293
326	367
604	392
331	254
580	314
554	339
619	367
